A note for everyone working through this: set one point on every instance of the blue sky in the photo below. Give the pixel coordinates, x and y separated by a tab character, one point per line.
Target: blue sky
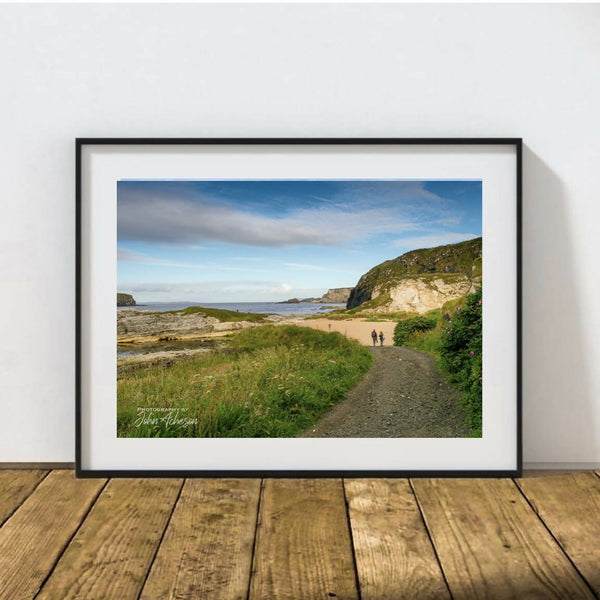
267	241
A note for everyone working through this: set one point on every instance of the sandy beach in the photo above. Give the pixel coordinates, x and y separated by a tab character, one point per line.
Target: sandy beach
353	328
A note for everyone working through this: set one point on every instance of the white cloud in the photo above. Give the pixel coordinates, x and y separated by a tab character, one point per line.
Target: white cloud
285	287
185	222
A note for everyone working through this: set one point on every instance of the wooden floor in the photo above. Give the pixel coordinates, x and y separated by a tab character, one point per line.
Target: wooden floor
536	537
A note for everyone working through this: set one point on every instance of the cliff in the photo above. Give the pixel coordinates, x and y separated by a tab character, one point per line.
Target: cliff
125	300
420	280
337	295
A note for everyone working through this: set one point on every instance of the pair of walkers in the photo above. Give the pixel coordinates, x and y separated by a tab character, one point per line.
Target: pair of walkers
374	337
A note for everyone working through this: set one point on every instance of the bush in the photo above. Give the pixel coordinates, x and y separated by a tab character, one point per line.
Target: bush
405	327
461	354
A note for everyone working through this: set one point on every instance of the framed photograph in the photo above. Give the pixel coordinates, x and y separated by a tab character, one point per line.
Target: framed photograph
298	307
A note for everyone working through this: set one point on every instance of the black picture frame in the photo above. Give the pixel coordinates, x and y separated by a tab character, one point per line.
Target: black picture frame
82	470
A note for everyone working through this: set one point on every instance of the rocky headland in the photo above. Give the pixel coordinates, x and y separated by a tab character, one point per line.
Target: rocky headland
420	280
125	300
337	295
333	296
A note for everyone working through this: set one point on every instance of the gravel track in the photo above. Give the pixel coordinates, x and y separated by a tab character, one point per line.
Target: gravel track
403	395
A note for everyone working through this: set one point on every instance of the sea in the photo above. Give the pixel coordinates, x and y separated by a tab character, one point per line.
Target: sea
278	308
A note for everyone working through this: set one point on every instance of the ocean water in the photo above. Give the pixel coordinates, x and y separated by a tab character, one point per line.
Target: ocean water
300	308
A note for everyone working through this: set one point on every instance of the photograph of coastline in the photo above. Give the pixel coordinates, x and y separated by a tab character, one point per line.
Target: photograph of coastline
299	308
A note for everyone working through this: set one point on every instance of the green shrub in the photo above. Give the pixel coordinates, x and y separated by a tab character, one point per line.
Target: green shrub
406	327
461	354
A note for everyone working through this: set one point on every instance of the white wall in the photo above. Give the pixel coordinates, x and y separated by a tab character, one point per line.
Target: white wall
342	70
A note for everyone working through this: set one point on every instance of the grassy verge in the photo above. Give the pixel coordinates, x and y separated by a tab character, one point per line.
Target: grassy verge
354	313
272	382
225	316
425	341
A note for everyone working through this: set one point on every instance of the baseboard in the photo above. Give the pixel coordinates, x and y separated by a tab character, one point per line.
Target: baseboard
528	468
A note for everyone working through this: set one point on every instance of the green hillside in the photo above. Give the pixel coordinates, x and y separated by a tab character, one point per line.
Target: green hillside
463	258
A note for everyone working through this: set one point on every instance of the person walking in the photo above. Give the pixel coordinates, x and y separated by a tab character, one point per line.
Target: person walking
381	338
374	337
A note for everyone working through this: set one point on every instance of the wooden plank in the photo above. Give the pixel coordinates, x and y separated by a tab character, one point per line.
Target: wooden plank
492	545
207	549
35	536
39	466
303	547
15	486
569	505
394	556
113	550
529	473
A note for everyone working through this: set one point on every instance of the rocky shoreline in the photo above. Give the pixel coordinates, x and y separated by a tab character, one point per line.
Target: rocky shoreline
139	328
136	326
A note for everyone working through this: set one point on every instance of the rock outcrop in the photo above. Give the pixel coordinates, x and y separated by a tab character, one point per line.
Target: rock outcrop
145	325
337	295
420	280
125	300
420	294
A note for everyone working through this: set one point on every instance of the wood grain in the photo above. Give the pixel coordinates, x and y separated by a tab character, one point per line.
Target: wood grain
112	551
303	547
207	549
394	556
34	537
15	486
492	545
569	505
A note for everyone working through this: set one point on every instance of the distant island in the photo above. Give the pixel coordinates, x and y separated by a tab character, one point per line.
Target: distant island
125	300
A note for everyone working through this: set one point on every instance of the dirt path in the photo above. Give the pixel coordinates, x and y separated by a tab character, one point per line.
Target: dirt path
403	395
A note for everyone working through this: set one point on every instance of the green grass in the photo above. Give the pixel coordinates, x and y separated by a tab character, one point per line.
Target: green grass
359	313
271	382
364	312
225	316
425	341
